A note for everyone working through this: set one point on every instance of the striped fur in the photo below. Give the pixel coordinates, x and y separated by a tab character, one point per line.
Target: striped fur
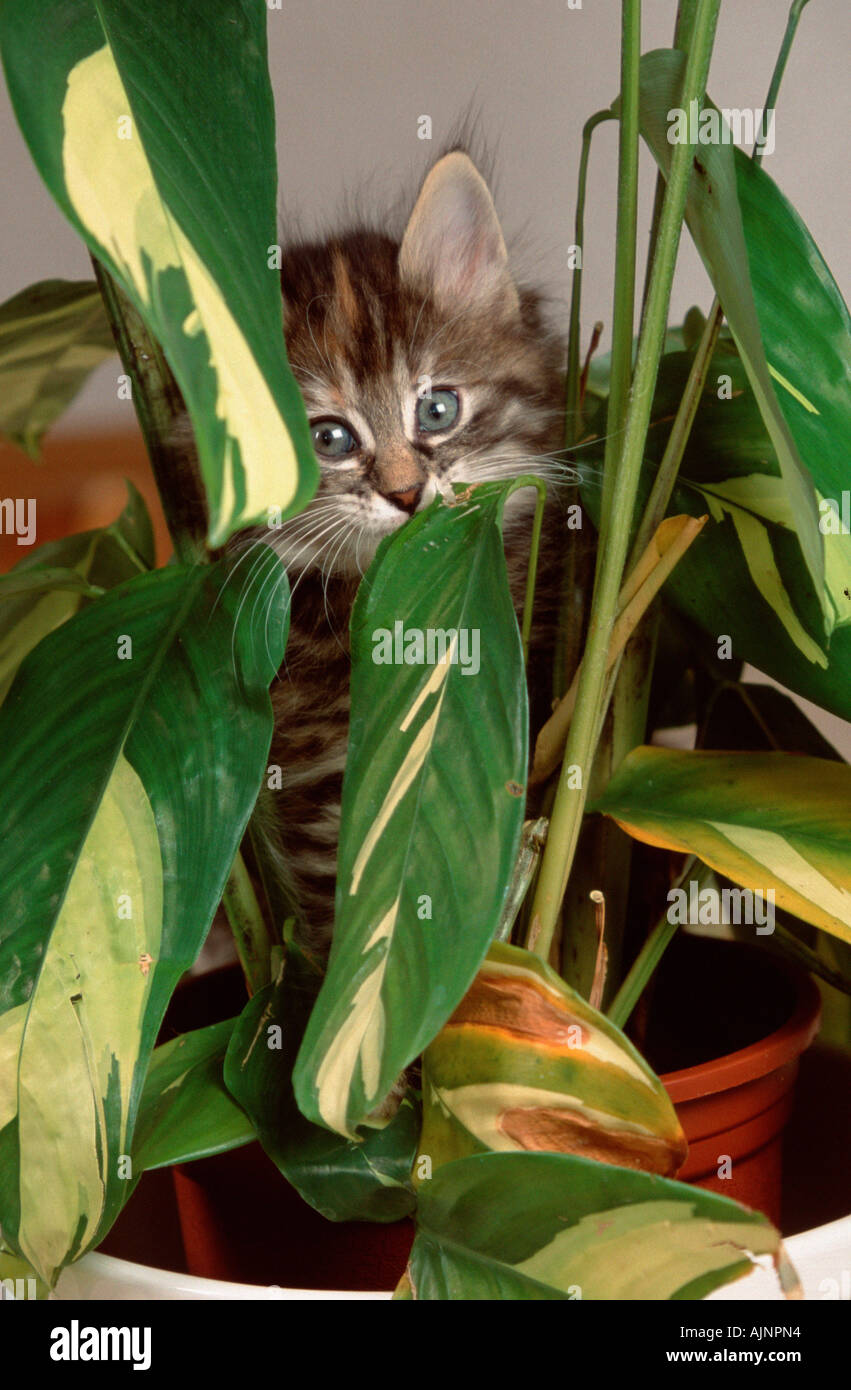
366	321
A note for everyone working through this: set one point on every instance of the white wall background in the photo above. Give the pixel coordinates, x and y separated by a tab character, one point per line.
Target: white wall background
350	80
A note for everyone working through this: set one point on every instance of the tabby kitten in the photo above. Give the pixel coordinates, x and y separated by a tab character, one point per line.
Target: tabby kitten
420	364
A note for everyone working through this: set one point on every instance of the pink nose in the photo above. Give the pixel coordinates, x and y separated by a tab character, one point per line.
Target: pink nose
406	500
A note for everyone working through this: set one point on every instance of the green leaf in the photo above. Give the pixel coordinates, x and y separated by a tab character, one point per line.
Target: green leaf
52	336
552	1226
153	128
432	803
186	1110
40	594
19	1278
806	328
715	222
365	1180
744	578
132	747
766	820
525	1063
38	580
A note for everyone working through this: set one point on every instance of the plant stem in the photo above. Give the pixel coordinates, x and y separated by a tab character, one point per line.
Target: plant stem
531	844
572	422
669	468
623	311
651	953
569	634
159	405
792	22
615	529
682	31
532	570
663	485
251	938
656	564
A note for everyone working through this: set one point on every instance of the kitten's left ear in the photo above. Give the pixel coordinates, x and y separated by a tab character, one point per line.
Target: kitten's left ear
453	242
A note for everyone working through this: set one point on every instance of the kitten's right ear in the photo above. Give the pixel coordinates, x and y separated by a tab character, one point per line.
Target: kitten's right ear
453	243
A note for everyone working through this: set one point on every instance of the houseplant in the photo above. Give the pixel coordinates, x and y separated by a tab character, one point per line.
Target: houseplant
145	692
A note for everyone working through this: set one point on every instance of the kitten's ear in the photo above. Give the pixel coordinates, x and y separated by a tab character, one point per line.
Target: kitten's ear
453	242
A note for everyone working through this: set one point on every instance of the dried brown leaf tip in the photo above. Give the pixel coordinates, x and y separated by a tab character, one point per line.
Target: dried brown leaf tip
463	496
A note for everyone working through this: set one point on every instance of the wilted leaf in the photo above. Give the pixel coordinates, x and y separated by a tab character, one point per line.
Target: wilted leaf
526	1063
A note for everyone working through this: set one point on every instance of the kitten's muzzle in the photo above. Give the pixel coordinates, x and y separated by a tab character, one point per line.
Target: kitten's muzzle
408	500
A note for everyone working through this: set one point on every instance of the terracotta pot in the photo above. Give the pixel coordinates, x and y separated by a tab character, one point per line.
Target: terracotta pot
239	1220
734	1108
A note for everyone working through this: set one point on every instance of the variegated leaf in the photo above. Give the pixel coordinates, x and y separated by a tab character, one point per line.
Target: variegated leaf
132	745
524	1063
364	1180
745	579
52	336
773	822
138	119
432	802
714	220
539	1226
56	579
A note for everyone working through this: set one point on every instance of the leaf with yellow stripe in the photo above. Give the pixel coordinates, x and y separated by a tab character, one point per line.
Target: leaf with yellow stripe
58	578
746	578
433	802
138	119
132	746
525	1063
768	821
52	336
714	218
546	1226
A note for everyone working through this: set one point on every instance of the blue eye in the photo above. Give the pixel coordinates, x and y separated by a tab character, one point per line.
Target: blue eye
439	411
332	440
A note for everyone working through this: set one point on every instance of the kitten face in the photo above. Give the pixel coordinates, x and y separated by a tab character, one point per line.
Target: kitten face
420	366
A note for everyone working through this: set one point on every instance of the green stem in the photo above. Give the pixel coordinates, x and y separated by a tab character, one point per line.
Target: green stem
252	941
795	13
534	547
666	477
651	953
574	370
623	311
663	485
531	843
615	528
682	32
159	406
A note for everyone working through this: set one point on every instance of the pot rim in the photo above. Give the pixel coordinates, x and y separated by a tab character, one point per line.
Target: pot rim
818	1253
761	1058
